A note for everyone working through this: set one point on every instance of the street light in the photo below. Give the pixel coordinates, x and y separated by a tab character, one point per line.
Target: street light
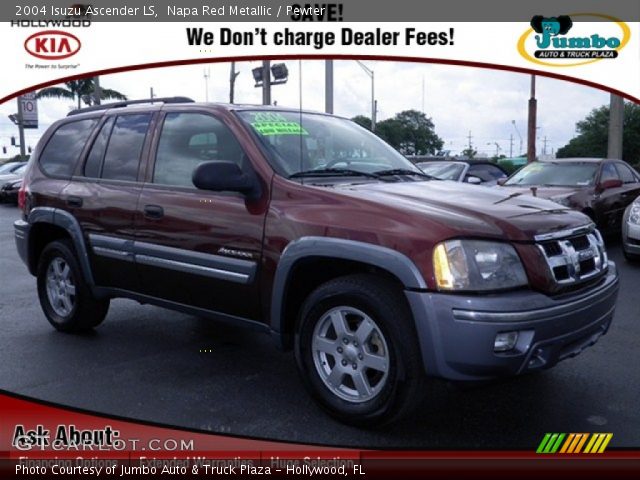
373	98
279	71
262	77
497	147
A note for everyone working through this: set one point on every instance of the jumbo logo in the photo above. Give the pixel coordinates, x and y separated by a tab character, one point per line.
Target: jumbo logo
52	45
561	42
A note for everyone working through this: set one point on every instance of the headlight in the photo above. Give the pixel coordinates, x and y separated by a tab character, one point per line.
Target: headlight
634	214
477	265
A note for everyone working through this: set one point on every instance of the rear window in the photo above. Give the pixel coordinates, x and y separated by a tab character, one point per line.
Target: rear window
63	149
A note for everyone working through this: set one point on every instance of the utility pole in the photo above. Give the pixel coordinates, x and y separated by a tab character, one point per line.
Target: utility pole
531	127
151	95
616	119
374	114
469	137
511	145
328	86
266	82
374	107
206	74
19	121
232	82
97	91
544	145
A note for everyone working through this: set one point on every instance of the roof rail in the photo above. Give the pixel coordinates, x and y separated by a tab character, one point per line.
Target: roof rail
126	103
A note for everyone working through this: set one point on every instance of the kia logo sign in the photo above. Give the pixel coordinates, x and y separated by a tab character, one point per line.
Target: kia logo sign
52	45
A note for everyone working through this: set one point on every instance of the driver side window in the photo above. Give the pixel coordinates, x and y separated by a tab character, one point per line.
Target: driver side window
187	140
609	172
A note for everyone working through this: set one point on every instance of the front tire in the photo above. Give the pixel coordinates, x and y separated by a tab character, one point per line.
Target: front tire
630	257
65	298
357	352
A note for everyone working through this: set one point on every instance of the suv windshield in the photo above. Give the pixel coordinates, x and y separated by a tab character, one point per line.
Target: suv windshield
560	174
304	142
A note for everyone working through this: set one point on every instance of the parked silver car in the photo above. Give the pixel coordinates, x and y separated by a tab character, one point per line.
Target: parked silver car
477	172
631	231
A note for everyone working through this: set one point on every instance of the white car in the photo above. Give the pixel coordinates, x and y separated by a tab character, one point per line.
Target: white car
631	231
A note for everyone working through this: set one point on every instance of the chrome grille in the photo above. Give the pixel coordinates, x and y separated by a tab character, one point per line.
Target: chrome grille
574	256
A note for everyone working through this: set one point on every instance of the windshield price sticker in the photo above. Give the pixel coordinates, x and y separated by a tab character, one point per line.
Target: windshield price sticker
279	128
274	123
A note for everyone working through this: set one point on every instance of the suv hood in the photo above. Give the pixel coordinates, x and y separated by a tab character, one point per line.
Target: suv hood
472	211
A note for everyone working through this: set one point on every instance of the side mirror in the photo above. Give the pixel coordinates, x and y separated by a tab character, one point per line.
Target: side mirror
502	181
473	180
224	176
608	184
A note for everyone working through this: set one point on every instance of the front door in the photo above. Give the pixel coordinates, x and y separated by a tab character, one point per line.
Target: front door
196	247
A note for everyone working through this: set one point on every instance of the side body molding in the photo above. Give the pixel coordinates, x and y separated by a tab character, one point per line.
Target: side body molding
66	221
385	258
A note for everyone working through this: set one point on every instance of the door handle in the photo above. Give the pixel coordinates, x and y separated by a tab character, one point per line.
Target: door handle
153	211
74	201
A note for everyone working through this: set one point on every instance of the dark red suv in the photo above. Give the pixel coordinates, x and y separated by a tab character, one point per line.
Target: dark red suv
312	229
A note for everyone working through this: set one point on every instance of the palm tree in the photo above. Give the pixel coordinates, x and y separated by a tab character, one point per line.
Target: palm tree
80	90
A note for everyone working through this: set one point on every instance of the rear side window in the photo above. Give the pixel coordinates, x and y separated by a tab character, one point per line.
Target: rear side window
122	158
63	149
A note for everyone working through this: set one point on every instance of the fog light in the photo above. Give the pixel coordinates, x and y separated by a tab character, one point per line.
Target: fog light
505	341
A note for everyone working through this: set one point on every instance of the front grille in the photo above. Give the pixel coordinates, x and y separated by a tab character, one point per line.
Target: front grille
574	256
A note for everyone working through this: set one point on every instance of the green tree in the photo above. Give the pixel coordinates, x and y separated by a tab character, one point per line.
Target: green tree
80	90
411	132
593	134
363	121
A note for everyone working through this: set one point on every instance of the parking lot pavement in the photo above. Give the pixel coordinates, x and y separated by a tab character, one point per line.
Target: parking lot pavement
147	363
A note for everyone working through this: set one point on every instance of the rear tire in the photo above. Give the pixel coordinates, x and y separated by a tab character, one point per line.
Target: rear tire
65	298
357	352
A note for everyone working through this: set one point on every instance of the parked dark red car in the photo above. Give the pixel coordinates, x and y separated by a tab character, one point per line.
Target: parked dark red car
312	229
600	188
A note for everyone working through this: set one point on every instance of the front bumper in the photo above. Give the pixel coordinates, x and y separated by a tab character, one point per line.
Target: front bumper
457	332
631	237
21	234
9	195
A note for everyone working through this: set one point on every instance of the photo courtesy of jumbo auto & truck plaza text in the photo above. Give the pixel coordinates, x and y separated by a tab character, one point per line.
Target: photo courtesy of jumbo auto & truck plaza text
355	238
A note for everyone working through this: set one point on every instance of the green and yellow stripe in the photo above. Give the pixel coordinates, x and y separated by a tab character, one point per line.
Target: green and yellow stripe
573	443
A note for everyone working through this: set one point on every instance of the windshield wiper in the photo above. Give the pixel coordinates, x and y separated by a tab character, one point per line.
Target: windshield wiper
334	172
404	171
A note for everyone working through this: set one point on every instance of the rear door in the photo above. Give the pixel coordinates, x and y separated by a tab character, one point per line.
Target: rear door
196	247
609	206
104	195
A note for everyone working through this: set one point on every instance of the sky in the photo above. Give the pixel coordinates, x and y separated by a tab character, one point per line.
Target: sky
460	100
